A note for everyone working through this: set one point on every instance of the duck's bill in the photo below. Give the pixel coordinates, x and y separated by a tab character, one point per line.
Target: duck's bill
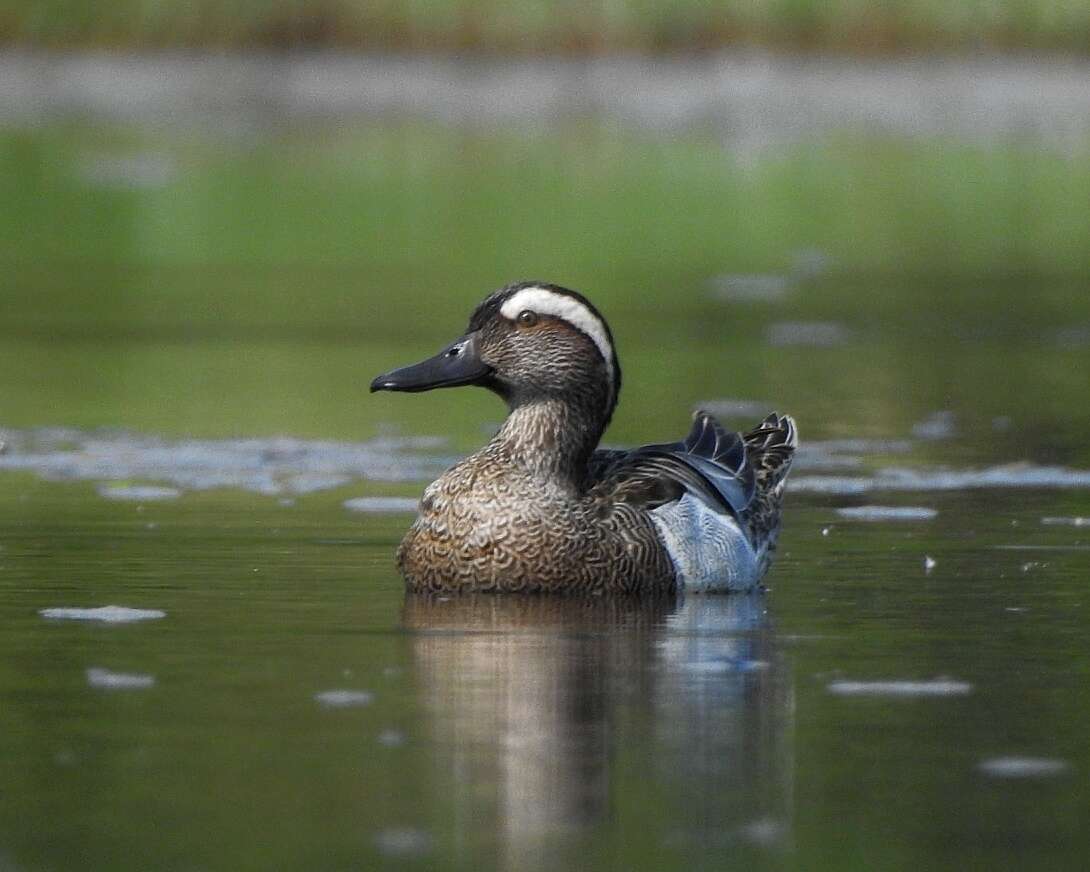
457	364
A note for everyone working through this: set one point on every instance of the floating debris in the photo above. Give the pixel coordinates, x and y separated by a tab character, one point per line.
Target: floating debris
138	493
938	425
403	842
382	505
344	698
888	513
103	614
935	687
1066	522
1022	767
108	680
819	334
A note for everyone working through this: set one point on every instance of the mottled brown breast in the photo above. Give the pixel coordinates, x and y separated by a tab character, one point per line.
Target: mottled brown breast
486	527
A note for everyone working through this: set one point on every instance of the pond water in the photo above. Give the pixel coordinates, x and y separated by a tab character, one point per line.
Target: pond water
190	325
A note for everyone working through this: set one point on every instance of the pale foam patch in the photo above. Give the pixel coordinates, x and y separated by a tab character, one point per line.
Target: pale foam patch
1022	767
1066	522
934	687
382	505
103	614
403	842
546	302
341	698
104	678
888	513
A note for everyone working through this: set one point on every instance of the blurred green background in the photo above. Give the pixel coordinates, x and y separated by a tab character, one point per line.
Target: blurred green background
255	284
526	26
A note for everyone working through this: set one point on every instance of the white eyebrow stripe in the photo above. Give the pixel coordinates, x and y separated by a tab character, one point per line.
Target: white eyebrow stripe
546	302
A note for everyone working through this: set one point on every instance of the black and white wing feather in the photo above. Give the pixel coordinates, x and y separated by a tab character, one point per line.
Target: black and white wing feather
710	463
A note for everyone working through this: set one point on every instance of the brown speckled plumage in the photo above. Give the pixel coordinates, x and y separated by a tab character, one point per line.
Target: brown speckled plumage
770	447
538	509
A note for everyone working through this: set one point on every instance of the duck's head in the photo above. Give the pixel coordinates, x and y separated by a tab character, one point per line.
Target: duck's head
529	341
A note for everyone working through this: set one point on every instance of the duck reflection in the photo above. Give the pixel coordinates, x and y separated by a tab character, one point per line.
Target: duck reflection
537	702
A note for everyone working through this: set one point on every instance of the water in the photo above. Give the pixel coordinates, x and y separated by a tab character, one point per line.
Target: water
535	733
187	439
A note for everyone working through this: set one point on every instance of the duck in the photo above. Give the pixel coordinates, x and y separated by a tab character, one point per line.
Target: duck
541	508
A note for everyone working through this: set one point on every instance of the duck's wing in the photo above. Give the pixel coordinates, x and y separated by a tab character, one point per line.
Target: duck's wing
710	463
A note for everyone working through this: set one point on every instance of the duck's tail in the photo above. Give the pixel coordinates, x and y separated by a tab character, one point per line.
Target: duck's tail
770	448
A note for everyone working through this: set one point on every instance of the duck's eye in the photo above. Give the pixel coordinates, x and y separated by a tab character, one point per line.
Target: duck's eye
527	318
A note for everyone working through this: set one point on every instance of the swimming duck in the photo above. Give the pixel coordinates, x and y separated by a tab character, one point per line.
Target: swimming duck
541	508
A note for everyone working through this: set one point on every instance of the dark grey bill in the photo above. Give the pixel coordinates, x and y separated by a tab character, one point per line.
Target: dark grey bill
457	364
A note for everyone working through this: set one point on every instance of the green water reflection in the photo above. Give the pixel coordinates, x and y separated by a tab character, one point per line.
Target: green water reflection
252	286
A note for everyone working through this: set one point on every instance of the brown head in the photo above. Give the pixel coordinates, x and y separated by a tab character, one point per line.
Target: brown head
527	342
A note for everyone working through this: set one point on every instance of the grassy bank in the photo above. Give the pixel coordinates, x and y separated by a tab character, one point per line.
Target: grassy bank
524	26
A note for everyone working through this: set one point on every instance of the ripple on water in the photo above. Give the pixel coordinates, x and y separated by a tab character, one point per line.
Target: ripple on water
382	505
937	425
403	842
1022	767
343	698
896	688
1066	522
102	614
392	738
818	334
751	287
108	680
138	492
731	408
764	831
1014	475
887	513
